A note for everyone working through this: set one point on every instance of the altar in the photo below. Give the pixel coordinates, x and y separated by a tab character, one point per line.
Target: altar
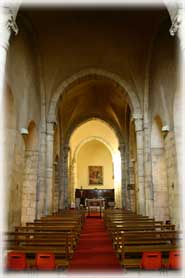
95	204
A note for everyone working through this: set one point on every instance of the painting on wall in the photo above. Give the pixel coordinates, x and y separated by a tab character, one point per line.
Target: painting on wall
95	175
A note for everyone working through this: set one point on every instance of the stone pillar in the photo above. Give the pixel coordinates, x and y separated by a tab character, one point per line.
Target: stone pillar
63	192
149	190
123	174
41	173
171	208
49	168
132	189
56	187
73	179
7	26
177	27
140	167
127	176
29	187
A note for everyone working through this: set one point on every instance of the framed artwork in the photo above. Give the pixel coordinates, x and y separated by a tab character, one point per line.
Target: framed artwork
95	175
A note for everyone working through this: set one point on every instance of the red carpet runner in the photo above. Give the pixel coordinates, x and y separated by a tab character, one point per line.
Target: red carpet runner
94	251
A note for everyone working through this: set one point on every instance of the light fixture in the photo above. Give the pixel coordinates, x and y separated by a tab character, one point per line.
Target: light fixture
165	129
24	131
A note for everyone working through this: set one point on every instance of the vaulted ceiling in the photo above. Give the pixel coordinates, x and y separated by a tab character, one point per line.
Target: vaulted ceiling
93	99
117	40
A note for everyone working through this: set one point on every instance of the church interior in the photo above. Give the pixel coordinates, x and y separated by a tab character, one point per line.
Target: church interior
92	110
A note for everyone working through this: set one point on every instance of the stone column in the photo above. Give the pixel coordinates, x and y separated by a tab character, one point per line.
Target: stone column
7	26
73	179
56	187
123	174
132	190
149	190
49	167
127	173
29	187
140	167
63	192
41	173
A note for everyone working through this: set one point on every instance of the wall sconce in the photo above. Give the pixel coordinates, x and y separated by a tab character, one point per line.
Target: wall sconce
165	129
24	131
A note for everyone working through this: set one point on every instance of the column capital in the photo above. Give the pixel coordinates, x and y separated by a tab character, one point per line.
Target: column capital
136	116
176	22
73	161
50	127
138	124
8	25
65	149
121	147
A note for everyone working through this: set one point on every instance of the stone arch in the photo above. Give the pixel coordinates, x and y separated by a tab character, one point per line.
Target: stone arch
135	108
112	146
80	122
101	119
94	73
97	138
87	155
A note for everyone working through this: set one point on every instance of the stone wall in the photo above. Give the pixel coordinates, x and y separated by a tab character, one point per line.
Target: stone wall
172	179
13	177
22	77
13	146
29	187
159	173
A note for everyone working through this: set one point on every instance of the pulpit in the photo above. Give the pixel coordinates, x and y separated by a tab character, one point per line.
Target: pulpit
91	204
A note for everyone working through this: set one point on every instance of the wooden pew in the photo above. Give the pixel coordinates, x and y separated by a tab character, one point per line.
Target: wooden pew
54	223
62	244
20	238
58	234
128	260
55	228
140	227
130	245
126	236
66	214
61	218
133	234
